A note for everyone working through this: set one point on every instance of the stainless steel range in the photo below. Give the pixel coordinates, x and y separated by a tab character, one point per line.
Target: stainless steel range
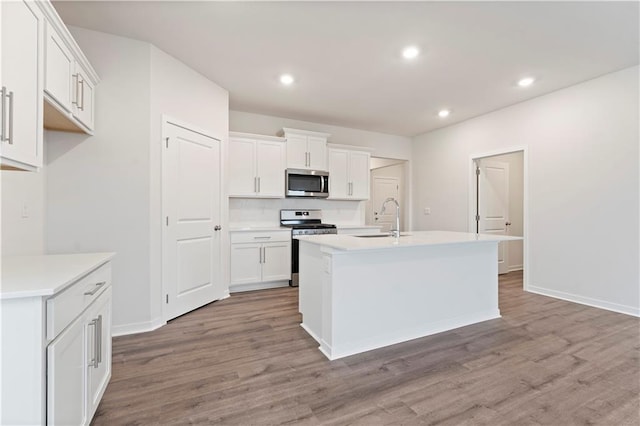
303	222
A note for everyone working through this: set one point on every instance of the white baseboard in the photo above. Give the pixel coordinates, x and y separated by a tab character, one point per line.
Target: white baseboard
513	268
596	303
138	327
237	288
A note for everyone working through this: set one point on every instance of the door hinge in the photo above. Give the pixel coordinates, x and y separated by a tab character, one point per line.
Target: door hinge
478	171
477	218
167	220
167	142
167	298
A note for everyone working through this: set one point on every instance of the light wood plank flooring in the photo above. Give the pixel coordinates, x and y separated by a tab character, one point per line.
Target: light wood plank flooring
245	360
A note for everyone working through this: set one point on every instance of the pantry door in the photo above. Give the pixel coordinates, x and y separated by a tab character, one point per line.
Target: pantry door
493	205
383	188
191	192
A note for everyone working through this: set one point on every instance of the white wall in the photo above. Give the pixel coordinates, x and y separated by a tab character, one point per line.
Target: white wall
105	191
98	187
180	93
22	235
583	186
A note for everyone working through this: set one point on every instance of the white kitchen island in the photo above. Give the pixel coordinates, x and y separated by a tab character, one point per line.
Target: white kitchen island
358	293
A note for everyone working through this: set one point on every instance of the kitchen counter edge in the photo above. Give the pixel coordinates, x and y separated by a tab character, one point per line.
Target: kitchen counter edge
46	275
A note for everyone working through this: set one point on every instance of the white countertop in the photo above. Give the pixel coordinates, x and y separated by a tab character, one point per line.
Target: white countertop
408	239
45	275
372	227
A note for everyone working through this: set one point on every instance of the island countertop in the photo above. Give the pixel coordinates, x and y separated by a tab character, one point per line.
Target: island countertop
409	239
45	275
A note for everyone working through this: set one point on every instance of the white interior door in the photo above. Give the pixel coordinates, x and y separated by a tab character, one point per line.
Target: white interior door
493	204
191	206
383	188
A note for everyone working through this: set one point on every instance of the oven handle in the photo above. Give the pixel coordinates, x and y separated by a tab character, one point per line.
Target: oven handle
322	184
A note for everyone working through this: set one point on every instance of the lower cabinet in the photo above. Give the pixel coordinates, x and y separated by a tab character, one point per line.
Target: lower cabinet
79	365
261	256
56	349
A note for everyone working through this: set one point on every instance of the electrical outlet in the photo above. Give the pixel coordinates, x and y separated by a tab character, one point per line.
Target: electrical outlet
427	210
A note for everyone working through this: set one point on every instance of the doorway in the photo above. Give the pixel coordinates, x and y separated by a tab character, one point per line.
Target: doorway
192	212
387	179
497	203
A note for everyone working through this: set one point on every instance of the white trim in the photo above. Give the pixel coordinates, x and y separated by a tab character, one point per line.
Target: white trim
137	327
596	303
513	268
256	136
351	147
525	205
239	288
416	333
286	130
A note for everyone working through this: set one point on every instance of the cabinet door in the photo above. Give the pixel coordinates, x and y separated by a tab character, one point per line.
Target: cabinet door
66	370
276	261
59	67
317	148
22	54
83	110
270	168
359	175
98	323
338	176
297	157
242	167
245	263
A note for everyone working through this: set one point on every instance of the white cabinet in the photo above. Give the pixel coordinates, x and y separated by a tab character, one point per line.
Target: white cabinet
69	80
21	107
348	174
79	365
260	257
98	351
55	338
306	150
256	166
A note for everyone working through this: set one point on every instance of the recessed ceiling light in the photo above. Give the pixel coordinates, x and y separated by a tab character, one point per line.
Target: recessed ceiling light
527	81
444	113
286	79
410	52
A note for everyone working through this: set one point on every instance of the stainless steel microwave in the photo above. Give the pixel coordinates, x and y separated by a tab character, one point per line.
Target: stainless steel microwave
306	183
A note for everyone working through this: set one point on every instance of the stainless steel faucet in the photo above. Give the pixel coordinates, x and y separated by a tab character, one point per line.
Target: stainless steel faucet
394	232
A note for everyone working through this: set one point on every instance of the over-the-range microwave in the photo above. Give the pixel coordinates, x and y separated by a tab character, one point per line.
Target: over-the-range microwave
306	183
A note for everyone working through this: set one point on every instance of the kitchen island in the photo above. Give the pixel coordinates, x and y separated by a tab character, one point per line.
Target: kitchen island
359	293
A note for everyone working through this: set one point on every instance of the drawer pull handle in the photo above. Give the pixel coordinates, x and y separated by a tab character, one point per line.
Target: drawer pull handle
95	290
261	238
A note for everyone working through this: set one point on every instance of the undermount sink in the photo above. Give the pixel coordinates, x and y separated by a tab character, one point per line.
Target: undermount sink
379	236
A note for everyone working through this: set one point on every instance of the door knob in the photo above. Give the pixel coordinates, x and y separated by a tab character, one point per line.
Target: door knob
508	224
377	218
217	228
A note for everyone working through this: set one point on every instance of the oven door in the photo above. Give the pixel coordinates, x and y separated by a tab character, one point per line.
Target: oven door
307	183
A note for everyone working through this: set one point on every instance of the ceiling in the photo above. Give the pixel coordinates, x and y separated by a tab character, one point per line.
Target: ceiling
346	56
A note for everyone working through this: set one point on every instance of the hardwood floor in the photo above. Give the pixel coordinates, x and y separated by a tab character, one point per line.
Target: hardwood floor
245	360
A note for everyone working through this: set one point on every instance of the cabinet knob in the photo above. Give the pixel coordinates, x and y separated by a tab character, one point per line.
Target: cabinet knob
217	228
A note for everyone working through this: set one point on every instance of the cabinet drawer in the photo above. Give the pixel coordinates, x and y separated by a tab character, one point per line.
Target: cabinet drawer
63	308
260	236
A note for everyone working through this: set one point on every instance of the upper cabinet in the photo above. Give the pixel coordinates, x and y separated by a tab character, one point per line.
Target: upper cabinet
21	81
256	166
348	174
69	80
306	150
40	61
